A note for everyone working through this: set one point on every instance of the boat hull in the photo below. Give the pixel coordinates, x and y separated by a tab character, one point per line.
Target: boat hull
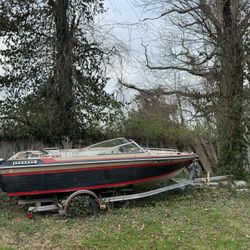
51	179
159	180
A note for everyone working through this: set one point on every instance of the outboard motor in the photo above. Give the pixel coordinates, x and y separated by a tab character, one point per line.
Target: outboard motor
1	161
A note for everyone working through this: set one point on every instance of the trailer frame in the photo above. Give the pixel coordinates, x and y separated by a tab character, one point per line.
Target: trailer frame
61	206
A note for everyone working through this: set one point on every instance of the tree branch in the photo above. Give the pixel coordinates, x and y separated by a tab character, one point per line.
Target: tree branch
208	12
201	73
161	91
179	11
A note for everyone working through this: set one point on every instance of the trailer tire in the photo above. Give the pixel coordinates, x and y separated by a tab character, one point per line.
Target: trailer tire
82	206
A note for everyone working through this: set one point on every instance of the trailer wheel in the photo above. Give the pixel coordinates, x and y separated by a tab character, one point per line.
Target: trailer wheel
82	206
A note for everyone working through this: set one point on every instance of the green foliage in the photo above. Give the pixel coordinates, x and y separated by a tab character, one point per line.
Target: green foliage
156	120
152	129
233	157
30	86
231	129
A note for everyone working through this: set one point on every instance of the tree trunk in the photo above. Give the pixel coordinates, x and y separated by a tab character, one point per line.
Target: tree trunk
230	111
63	70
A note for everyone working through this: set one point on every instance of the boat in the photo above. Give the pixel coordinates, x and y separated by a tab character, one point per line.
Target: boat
113	163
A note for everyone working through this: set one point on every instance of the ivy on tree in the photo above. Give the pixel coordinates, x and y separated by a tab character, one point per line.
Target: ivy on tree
53	83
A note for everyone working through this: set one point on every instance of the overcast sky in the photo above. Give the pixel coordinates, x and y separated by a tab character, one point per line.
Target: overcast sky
123	18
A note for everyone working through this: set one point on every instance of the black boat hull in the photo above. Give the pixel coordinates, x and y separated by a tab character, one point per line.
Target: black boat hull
33	183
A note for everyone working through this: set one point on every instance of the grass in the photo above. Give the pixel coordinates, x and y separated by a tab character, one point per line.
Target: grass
194	219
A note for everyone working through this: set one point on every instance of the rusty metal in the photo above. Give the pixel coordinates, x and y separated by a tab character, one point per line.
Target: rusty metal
65	203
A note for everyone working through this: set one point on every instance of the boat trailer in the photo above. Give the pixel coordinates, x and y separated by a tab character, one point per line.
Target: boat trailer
95	203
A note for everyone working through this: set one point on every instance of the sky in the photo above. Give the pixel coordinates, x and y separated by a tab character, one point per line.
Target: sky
124	20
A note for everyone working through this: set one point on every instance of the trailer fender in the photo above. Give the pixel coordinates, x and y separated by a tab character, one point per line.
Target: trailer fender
92	195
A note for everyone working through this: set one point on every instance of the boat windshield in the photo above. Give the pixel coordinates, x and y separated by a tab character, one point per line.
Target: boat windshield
118	145
109	143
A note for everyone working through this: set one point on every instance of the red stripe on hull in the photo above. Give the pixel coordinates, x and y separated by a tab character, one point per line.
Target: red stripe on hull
89	187
93	168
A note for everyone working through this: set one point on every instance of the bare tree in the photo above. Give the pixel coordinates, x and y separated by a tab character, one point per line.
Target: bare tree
214	46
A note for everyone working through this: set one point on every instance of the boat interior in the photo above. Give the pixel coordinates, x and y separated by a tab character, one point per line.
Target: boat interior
110	147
